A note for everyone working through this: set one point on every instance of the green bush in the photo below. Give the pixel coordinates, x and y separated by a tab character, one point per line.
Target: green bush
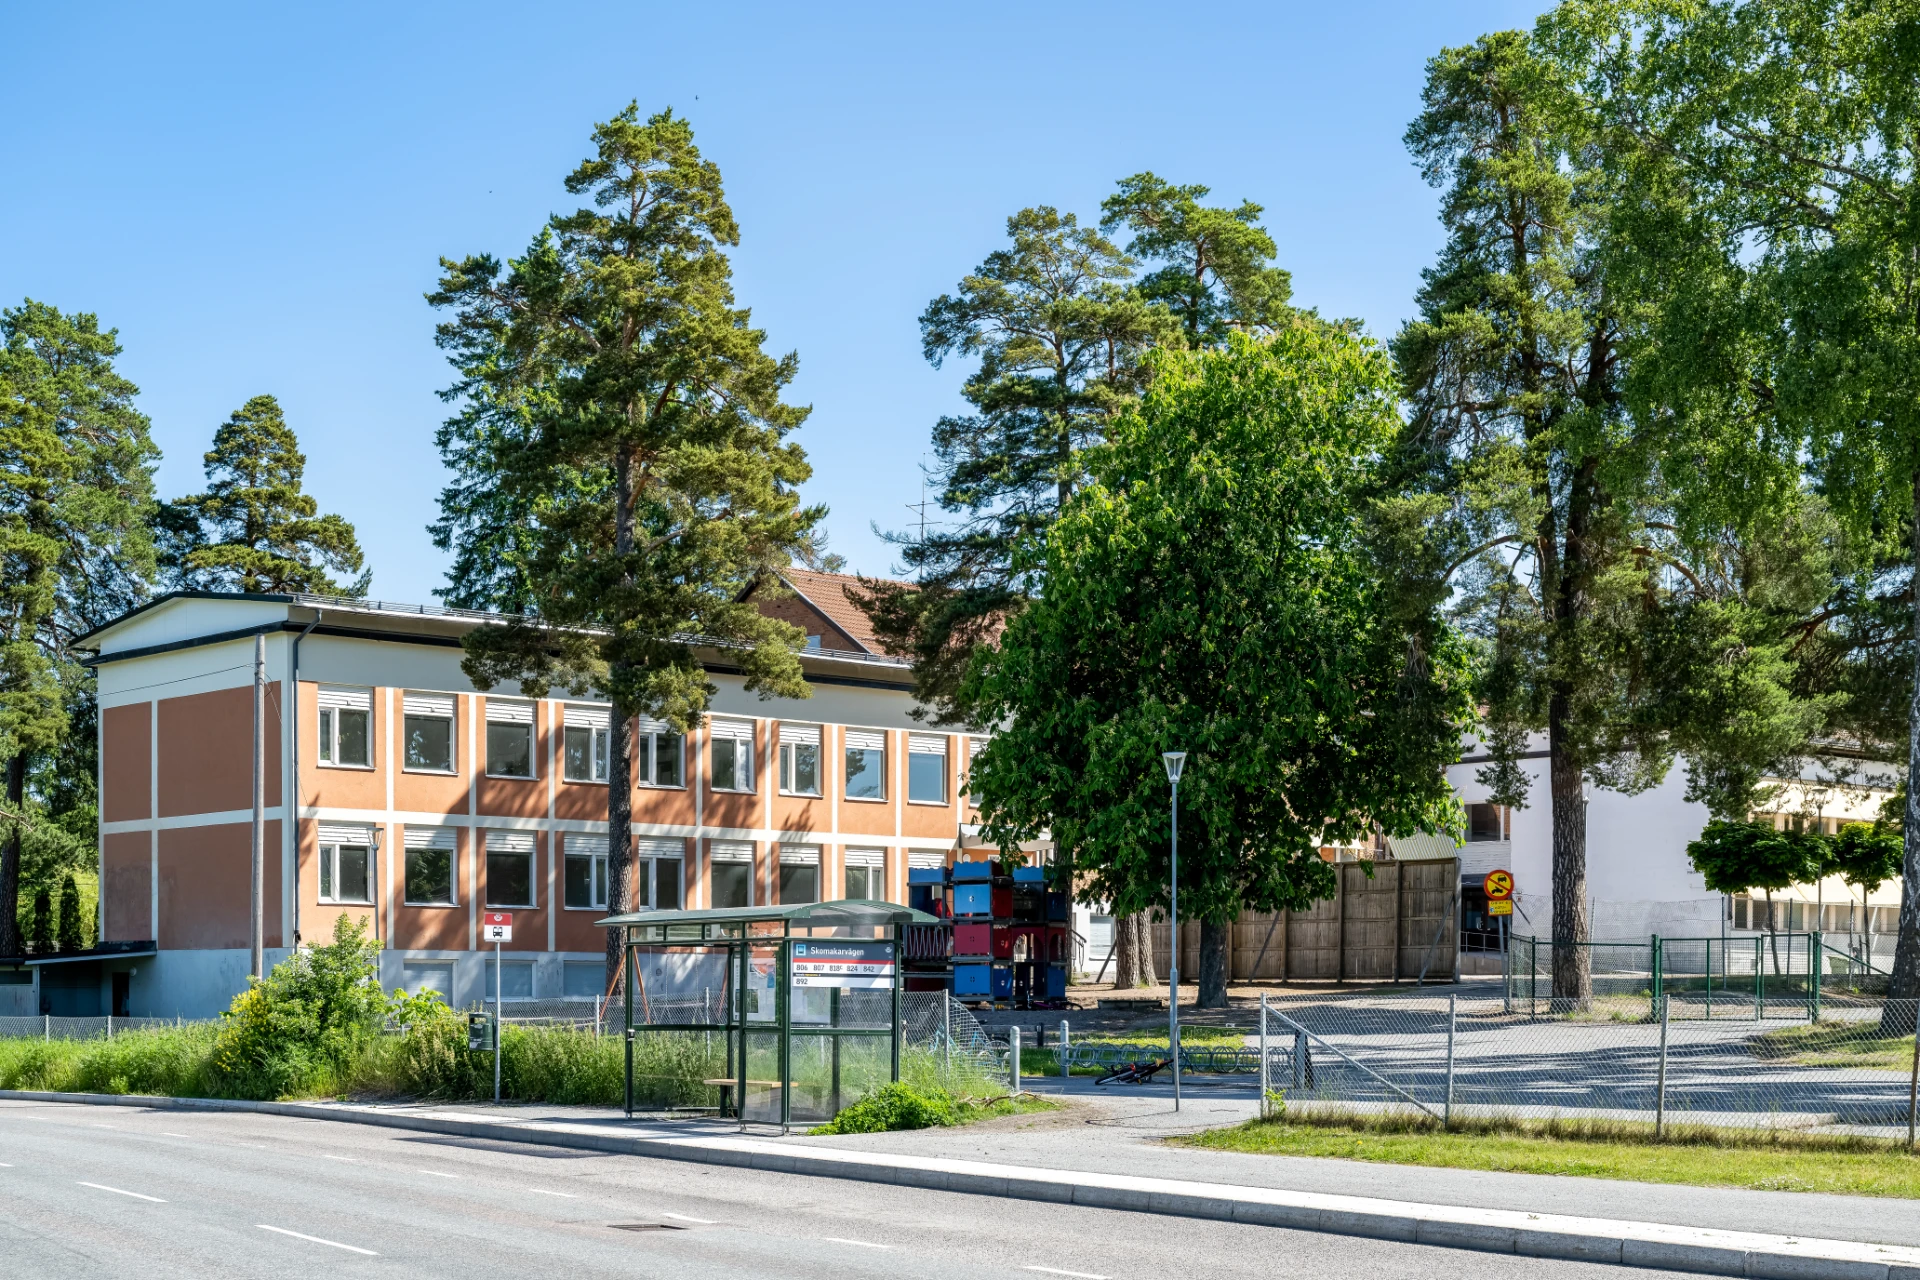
894	1106
305	1027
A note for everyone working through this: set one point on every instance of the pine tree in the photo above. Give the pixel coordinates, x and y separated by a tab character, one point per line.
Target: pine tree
40	931
72	934
75	488
1058	333
255	528
617	406
1215	274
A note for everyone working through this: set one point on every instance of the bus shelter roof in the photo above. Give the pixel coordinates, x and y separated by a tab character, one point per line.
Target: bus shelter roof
848	912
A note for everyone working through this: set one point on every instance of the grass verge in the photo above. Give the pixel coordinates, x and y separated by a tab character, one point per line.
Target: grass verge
1835	1044
1760	1161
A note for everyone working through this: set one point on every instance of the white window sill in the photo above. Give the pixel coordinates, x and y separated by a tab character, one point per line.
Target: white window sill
585	782
602	910
329	764
801	795
346	902
930	804
659	786
511	906
512	777
431	906
865	799
739	791
432	773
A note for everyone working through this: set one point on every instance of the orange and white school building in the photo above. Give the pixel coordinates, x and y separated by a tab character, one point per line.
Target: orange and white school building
398	792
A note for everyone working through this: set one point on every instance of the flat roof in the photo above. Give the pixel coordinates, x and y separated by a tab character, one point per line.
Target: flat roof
854	912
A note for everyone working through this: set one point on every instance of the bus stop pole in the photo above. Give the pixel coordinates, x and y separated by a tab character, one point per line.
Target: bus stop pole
896	1002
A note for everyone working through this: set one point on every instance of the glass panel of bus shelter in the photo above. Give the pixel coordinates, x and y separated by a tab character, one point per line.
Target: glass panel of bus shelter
761	1035
844	985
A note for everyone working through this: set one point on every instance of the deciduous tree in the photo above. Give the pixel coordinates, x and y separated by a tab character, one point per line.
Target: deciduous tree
1211	590
620	417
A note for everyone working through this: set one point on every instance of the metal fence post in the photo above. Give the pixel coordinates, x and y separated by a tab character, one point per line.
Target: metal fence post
109	1026
1815	962
1264	1081
1658	966
48	1037
1710	978
1660	1090
1013	1058
1759	978
946	1034
1453	1017
1299	1061
1066	1051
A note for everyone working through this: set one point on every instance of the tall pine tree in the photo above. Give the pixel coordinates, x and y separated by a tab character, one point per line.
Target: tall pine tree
1215	272
76	486
617	404
256	528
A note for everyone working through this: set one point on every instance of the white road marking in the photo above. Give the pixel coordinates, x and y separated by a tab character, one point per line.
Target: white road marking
117	1191
97	1125
5	1166
435	1173
568	1194
705	1222
165	1134
1055	1271
341	1159
864	1244
301	1235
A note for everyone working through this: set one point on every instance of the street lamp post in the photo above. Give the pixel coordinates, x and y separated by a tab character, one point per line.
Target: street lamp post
1175	762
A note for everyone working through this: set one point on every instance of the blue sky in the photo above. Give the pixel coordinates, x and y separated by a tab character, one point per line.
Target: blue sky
257	197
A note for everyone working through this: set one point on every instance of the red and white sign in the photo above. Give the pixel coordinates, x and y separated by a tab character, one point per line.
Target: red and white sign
496	926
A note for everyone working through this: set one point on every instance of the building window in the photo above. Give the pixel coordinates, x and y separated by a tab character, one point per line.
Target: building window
583	980
346	737
427	721
926	769
656	874
417	978
866	765
732	754
430	860
346	864
510	869
659	749
1483	823
863	873
732	873
585	746
509	739
799	874
586	873
800	759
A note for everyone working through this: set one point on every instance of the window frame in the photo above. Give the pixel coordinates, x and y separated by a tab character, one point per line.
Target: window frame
847	774
329	859
789	761
453	874
648	756
326	753
597	878
452	721
599	746
533	744
743	758
946	772
532	855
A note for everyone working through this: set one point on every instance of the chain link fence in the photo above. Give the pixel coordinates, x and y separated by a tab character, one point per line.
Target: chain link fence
1851	1071
46	1027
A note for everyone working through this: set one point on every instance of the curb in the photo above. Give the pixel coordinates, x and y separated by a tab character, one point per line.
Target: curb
1639	1244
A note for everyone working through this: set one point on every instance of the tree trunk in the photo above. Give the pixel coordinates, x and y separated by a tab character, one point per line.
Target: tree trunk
620	743
1213	964
1572	960
10	857
1773	934
1132	952
1904	983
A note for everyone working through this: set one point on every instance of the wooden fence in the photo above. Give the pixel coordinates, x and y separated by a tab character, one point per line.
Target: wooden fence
1386	927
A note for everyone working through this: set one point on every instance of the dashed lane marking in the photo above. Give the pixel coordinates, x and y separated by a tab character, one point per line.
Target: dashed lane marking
334	1244
117	1191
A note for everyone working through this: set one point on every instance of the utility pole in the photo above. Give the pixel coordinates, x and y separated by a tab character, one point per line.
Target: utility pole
259	909
1175	762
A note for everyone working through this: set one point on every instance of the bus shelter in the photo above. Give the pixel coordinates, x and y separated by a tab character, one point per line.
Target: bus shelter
780	1015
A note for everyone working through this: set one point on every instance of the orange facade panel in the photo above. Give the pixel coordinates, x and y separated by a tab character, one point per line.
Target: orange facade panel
126	762
127	860
206	748
206	886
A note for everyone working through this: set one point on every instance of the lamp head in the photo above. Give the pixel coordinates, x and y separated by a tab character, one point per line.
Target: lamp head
1175	762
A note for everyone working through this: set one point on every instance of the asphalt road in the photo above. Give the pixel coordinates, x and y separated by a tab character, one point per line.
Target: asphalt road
91	1191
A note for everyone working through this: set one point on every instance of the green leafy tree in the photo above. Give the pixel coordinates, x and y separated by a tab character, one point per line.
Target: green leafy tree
1739	857
75	486
1215	269
1866	856
256	528
1212	591
623	410
1058	331
1786	131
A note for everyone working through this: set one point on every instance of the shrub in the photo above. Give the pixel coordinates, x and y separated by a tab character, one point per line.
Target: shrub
305	1027
893	1106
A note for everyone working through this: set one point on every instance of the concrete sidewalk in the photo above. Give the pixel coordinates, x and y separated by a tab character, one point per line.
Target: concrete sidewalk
1103	1154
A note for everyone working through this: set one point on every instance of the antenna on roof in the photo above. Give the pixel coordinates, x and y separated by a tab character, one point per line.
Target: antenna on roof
921	506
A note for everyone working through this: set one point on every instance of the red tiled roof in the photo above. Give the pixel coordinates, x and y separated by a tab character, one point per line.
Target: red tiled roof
827	592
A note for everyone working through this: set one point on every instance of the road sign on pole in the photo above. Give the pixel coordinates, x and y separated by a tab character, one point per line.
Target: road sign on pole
1498	885
496	926
1500	907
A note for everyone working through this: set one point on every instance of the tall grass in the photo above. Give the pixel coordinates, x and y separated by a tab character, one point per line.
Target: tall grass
173	1061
